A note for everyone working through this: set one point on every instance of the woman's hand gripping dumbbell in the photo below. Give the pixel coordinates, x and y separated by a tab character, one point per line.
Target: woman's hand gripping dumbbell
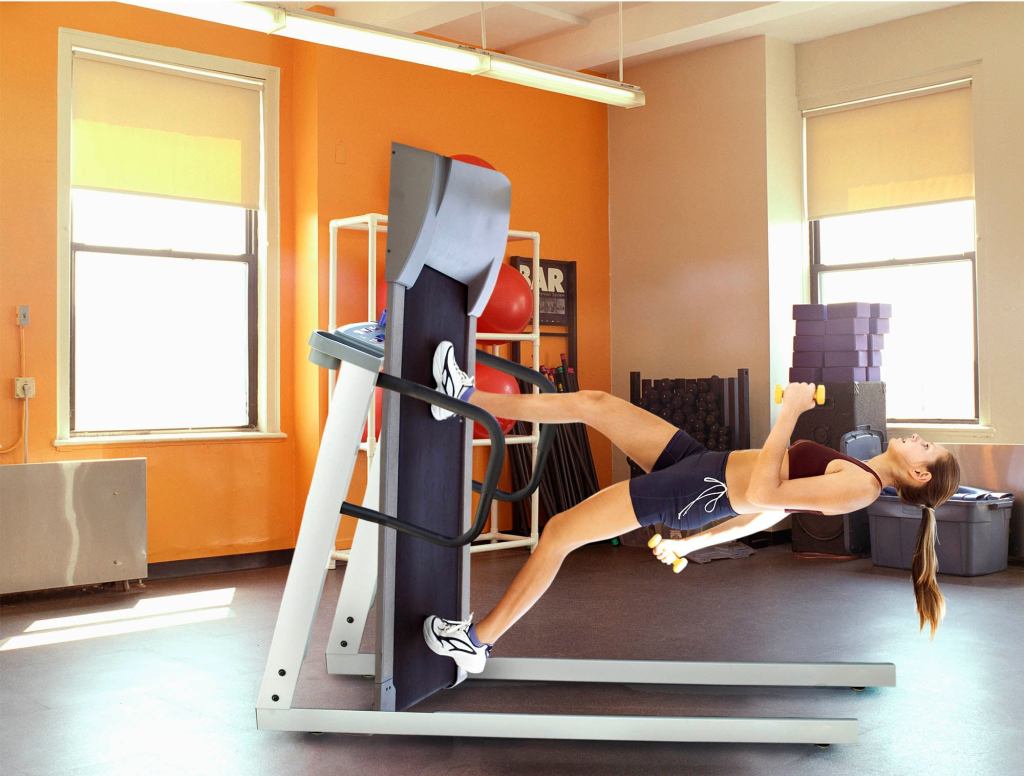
667	551
819	393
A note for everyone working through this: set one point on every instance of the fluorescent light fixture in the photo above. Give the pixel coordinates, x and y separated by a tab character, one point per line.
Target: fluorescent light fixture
315	28
555	79
248	16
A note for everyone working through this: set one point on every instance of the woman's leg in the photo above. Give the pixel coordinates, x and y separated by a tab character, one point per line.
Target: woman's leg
640	434
604	515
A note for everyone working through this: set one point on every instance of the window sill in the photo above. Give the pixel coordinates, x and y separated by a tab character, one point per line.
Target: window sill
952	432
147	439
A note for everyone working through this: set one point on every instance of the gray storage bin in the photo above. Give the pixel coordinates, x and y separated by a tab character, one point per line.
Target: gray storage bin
973	531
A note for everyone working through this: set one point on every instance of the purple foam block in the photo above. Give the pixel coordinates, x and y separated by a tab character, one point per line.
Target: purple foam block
809	312
807	358
811	328
849	310
874	358
875	342
846	358
846	341
874	374
847	325
804	375
879	326
843	374
808	343
881	310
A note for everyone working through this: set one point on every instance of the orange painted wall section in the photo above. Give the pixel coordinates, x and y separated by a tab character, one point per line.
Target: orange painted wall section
203	498
339	114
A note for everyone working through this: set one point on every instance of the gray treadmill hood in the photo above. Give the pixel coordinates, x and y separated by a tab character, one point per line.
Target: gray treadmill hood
448	215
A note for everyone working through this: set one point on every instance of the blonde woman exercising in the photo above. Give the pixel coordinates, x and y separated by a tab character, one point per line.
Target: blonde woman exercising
688	487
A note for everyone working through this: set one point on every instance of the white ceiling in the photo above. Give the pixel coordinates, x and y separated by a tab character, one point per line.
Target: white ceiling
585	36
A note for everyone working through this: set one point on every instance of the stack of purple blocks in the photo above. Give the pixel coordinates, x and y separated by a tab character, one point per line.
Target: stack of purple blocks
839	343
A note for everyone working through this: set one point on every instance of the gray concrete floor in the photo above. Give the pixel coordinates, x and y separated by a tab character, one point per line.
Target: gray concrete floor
178	699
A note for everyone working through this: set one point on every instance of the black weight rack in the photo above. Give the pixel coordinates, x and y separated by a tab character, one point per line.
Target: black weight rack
713	410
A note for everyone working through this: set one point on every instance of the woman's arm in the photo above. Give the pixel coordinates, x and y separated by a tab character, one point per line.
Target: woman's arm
832	494
726	531
766	478
732	529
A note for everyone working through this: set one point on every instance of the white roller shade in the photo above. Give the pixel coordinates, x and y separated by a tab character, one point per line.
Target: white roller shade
908	151
143	129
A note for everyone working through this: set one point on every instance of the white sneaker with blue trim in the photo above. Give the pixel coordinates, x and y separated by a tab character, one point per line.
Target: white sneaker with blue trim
450	638
451	380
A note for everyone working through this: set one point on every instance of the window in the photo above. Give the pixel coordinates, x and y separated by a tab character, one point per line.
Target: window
170	209
891	210
163	324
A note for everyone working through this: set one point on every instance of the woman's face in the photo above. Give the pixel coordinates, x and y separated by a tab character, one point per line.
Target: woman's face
917	452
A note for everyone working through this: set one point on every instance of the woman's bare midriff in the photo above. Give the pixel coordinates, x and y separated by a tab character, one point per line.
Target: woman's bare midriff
738	469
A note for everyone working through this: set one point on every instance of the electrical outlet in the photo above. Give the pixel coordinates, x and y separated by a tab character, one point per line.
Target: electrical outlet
24	387
23	315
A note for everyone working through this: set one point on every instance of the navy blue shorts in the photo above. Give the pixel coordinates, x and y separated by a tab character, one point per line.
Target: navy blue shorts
686	489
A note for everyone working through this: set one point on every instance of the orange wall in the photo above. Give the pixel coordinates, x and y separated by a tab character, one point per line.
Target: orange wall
204	498
339	113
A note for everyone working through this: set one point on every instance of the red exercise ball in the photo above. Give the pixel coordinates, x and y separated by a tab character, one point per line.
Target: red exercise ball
378	396
511	305
470	159
494	381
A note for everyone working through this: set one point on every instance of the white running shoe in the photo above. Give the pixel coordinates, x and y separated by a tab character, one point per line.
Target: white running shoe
450	638
451	380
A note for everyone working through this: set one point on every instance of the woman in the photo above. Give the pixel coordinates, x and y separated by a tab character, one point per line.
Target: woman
687	487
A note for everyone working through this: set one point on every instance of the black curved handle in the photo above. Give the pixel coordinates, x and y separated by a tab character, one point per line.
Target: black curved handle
487	490
547	430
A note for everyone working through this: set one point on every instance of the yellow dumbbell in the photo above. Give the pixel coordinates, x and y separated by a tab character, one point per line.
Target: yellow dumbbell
819	394
678	564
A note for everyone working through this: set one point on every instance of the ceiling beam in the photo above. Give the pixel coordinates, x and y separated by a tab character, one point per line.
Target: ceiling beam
552	13
654	27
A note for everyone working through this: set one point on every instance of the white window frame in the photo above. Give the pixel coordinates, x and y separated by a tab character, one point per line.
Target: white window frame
268	317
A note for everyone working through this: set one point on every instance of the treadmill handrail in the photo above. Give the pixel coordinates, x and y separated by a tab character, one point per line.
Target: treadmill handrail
547	430
491	475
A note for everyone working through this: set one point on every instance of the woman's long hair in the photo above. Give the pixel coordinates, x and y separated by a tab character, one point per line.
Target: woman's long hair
931	605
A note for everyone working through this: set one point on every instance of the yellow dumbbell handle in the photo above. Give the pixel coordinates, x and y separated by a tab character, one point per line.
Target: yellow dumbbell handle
678	564
819	394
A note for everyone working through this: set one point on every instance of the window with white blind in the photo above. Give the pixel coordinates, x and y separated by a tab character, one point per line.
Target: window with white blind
171	222
890	195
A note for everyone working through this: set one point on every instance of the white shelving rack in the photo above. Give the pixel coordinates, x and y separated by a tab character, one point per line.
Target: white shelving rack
374	224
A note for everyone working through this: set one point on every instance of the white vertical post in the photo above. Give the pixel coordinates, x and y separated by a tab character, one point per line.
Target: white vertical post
332	476
371	308
332	293
360	582
535	498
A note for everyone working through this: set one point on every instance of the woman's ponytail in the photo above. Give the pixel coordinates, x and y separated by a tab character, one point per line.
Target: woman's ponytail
931	605
945	479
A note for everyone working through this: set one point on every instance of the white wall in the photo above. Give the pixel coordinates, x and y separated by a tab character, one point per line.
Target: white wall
708	248
688	221
706	244
788	278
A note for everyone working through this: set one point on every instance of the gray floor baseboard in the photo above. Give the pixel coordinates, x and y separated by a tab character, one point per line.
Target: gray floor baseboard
198	566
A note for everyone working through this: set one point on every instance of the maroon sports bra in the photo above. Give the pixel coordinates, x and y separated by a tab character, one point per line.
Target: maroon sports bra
809	459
